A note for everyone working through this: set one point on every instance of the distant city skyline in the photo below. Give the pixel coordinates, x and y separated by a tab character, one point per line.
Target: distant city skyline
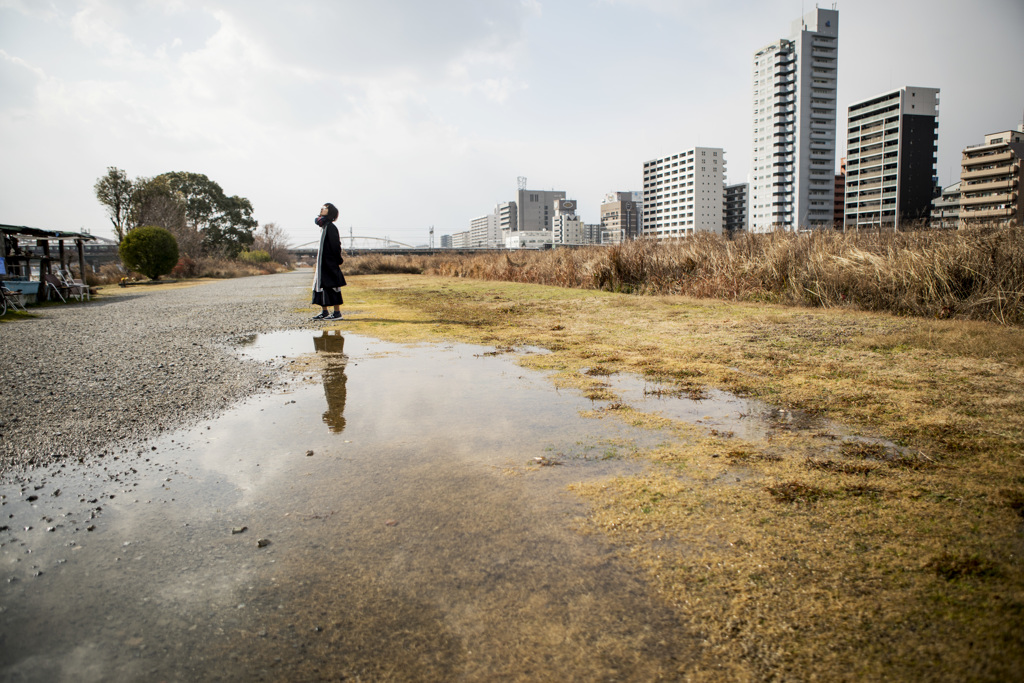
408	115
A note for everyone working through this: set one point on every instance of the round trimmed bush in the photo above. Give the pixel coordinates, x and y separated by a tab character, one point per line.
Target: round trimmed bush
150	250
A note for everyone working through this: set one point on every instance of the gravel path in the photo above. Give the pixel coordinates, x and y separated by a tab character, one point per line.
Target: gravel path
79	381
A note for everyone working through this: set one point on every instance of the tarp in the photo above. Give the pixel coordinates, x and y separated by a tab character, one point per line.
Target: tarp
38	233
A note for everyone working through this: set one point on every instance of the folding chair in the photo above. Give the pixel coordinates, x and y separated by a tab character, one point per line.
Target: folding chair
73	287
53	283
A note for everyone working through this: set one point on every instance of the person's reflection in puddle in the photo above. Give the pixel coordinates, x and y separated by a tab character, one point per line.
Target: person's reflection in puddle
332	343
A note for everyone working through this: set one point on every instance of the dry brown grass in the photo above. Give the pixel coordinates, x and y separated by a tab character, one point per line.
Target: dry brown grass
221	268
190	268
377	264
976	273
799	555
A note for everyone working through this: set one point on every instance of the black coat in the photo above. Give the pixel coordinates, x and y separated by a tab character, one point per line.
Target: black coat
328	261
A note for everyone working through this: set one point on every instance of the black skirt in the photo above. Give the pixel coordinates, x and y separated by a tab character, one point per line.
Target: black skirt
328	297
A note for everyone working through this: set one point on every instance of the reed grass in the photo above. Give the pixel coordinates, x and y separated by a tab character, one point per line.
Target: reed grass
975	273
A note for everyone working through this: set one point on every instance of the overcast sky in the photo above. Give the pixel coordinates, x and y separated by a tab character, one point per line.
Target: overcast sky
408	114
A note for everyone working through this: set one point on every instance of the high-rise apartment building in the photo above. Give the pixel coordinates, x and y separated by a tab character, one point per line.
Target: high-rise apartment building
793	163
684	193
891	147
991	179
620	217
735	209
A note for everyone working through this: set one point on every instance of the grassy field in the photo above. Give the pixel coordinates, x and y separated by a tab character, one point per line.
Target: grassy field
799	556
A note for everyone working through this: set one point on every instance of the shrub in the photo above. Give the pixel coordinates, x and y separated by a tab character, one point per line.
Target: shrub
109	274
256	256
186	267
208	266
149	250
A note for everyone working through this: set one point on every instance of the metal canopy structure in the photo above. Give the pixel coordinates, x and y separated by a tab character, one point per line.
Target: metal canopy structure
21	246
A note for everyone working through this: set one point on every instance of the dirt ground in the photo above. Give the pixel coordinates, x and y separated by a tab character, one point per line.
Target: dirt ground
890	553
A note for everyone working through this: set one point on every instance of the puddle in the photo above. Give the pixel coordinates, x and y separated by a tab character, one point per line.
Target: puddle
385	517
718	410
724	414
389	515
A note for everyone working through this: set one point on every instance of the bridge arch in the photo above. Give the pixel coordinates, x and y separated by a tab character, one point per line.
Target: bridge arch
357	242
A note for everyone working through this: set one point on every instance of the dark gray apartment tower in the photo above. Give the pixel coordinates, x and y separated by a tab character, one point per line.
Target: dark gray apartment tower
891	147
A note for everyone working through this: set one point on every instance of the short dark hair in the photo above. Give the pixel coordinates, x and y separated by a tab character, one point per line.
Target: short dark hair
332	212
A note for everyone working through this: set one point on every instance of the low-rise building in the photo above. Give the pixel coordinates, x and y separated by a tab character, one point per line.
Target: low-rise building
528	239
946	209
990	179
593	233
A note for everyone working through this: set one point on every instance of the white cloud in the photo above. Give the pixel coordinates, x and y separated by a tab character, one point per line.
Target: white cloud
409	113
18	82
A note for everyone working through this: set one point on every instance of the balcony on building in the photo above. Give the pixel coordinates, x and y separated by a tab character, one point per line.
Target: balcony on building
969	173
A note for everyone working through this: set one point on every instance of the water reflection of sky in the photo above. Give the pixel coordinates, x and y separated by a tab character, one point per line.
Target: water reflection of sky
391	510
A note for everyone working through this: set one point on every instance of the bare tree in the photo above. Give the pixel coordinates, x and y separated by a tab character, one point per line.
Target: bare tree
272	239
155	203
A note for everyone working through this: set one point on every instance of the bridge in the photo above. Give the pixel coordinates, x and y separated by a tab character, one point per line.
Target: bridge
354	246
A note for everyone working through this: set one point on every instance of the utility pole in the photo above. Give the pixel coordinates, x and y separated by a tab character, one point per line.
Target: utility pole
351	239
431	236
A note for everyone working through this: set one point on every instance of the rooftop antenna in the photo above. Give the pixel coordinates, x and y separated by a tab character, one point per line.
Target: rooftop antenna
522	182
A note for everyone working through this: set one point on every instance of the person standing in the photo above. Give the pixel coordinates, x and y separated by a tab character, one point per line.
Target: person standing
328	278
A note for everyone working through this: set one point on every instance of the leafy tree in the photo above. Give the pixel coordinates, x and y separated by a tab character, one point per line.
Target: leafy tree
116	191
226	223
150	250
